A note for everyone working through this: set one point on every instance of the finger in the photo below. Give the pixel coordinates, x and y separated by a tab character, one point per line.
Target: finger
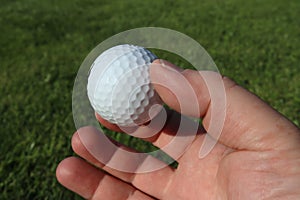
88	137
177	91
172	135
91	183
248	122
107	124
147	132
161	131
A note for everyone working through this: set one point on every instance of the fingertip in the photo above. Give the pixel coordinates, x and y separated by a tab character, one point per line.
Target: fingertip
76	142
157	64
174	88
78	176
80	147
107	124
64	170
161	74
159	71
166	64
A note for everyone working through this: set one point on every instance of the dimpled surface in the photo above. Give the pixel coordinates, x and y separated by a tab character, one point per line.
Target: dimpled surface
119	86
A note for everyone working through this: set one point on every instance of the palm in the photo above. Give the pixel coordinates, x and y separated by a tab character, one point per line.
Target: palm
230	174
199	178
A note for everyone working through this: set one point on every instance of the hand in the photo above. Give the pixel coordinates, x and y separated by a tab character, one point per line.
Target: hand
256	157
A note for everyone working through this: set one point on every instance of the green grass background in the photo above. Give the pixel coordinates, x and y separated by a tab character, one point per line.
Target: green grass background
42	44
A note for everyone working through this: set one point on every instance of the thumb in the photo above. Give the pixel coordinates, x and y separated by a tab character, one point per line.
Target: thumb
178	90
247	121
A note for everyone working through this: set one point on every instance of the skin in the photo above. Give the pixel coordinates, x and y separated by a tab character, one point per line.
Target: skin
256	157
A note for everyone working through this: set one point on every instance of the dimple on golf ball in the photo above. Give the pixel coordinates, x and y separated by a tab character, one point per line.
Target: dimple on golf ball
119	87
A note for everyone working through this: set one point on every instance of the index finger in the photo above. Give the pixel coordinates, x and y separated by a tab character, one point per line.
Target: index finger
249	123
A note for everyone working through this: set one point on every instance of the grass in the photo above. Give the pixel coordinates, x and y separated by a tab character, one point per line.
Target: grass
42	44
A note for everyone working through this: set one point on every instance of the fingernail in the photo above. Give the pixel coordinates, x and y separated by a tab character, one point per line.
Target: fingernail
167	65
162	72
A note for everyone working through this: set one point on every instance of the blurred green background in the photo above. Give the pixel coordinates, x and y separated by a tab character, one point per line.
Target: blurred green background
42	44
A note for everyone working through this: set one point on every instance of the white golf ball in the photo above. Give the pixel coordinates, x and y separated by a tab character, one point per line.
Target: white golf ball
119	87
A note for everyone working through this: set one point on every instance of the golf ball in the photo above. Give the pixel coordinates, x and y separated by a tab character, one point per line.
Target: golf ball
119	87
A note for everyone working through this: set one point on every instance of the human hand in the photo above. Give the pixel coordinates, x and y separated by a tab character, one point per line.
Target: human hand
257	155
